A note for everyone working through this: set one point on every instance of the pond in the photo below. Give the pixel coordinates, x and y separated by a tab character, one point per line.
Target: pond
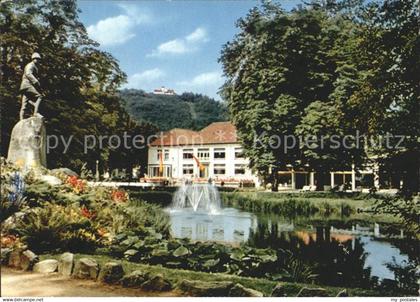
340	252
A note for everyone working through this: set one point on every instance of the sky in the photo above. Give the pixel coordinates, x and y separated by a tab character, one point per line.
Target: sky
175	44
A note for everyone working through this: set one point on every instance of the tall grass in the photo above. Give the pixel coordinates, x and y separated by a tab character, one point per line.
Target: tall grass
287	205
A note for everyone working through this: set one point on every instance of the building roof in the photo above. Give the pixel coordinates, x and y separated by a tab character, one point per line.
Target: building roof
215	133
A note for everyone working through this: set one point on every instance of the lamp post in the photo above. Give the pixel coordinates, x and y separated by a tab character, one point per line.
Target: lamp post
97	170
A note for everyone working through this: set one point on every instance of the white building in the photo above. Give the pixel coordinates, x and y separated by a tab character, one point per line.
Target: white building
211	153
164	91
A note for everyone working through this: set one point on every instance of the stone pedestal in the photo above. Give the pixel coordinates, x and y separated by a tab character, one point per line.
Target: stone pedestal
27	147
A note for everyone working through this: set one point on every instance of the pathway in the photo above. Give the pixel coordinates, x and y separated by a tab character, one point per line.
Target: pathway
18	283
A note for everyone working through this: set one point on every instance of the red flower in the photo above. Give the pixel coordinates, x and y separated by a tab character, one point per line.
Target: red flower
119	196
86	213
78	185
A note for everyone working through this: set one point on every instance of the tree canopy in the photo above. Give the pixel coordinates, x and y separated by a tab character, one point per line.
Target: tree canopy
79	80
325	69
188	110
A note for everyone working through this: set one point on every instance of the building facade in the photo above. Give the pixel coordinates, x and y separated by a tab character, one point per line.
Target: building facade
164	91
212	154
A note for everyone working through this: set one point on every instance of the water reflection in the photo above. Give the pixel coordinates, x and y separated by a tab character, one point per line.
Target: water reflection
340	254
229	225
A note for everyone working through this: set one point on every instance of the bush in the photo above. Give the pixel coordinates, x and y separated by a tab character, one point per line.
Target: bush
55	227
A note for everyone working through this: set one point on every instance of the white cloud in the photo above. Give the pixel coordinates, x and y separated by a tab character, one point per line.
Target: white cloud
139	80
118	29
198	35
189	43
174	46
207	83
204	79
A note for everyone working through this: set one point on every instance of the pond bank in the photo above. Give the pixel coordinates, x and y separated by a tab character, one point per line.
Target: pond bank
176	276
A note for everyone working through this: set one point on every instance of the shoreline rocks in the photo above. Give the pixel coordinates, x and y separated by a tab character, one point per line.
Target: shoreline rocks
66	264
111	273
86	268
46	266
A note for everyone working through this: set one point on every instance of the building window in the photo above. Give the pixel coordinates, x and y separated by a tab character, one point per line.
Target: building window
188	169
187	153
168	171
155	171
203	154
158	154
239	169
166	156
219	153
219	169
239	153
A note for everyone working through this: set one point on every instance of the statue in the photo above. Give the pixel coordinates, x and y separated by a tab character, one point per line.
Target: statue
30	86
27	148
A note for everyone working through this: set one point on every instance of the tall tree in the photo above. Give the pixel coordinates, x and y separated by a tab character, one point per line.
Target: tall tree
277	66
79	80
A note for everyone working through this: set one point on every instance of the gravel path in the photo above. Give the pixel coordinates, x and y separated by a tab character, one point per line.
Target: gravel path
27	284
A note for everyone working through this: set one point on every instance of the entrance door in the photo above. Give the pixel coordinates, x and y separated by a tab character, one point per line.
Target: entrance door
204	173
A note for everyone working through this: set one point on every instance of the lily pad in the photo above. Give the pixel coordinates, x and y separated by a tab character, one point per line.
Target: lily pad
181	251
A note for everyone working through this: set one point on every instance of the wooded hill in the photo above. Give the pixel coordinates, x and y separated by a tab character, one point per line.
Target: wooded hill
188	110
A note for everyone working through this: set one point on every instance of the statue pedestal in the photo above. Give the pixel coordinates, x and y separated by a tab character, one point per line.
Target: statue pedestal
27	147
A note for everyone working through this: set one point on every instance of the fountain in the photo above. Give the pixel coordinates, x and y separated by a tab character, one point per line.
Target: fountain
196	213
203	197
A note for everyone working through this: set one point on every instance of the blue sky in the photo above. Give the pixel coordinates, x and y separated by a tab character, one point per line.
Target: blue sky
174	44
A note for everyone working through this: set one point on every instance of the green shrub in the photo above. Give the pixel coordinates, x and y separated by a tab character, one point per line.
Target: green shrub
54	227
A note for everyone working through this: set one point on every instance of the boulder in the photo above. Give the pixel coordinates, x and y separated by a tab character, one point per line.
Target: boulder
51	180
156	283
86	268
206	289
65	264
134	279
5	254
111	272
27	148
240	291
343	293
312	292
28	260
278	291
46	266
14	258
64	171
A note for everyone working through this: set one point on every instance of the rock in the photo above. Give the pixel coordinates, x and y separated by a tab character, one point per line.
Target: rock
343	293
111	272
86	268
5	254
14	258
28	260
63	171
134	279
27	148
65	264
278	291
46	266
240	291
51	180
156	283
312	292
206	289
